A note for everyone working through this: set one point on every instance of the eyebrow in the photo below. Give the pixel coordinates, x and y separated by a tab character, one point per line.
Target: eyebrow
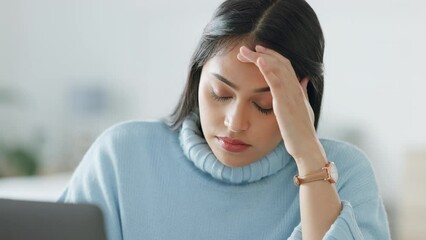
232	85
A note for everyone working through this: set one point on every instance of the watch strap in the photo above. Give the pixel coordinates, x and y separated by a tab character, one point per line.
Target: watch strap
321	175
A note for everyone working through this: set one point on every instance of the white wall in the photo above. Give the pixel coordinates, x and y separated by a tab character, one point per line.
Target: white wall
374	82
138	52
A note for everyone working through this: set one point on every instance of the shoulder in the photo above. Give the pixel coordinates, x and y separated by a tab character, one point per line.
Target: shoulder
130	141
122	150
344	153
138	126
127	143
356	175
135	130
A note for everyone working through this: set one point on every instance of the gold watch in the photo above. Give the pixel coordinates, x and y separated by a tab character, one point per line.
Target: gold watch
327	173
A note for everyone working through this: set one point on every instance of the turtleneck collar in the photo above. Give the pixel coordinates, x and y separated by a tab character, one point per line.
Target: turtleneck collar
197	150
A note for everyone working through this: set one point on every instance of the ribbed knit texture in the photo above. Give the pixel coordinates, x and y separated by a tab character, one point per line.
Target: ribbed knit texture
197	150
147	187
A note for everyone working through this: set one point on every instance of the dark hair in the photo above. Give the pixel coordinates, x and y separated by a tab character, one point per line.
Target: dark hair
289	27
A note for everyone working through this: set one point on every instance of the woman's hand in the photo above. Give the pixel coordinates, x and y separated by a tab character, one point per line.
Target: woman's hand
291	106
319	201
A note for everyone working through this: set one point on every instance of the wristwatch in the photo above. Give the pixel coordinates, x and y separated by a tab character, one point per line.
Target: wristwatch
327	173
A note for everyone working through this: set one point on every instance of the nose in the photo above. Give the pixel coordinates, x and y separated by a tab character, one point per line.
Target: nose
236	119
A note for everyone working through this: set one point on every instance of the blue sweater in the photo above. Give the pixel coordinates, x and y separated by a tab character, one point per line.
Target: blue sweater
155	183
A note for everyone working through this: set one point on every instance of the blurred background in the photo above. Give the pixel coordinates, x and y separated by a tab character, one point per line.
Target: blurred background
70	69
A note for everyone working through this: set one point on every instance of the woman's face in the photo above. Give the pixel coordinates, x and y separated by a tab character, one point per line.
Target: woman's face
235	107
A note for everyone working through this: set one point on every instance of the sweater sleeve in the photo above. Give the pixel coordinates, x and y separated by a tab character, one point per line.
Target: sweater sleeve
348	227
94	181
363	215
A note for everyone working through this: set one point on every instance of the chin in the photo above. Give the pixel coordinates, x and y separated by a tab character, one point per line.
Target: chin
232	161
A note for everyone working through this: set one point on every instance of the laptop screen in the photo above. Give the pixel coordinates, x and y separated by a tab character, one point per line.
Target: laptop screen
48	220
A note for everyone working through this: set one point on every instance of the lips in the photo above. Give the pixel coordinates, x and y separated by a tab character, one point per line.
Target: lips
232	145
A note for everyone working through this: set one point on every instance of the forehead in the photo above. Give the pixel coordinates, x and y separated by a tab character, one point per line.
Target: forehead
227	64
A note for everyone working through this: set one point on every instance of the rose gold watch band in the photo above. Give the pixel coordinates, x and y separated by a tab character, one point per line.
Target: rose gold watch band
321	175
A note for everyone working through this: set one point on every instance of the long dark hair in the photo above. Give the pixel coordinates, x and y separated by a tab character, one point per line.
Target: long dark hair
289	27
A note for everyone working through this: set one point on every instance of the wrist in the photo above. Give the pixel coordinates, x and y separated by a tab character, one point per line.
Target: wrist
327	173
311	161
308	166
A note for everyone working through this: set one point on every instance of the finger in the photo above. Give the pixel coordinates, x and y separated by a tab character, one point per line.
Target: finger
287	76
277	56
242	58
267	64
271	78
276	85
251	56
248	54
259	60
264	50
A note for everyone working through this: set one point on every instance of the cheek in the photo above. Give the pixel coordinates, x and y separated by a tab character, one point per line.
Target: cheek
205	103
270	132
210	112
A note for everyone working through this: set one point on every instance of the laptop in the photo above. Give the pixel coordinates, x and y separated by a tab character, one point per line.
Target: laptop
22	220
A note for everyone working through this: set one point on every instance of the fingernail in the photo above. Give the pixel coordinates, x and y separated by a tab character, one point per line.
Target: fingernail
239	57
244	49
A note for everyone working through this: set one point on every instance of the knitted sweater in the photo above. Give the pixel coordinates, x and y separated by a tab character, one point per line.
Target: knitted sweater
155	183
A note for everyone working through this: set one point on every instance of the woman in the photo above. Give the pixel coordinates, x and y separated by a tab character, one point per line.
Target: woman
239	158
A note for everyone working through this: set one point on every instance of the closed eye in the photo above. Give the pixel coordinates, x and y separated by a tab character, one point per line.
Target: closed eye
219	98
262	110
265	111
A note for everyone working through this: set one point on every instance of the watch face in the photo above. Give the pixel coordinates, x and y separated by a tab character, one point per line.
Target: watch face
333	172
